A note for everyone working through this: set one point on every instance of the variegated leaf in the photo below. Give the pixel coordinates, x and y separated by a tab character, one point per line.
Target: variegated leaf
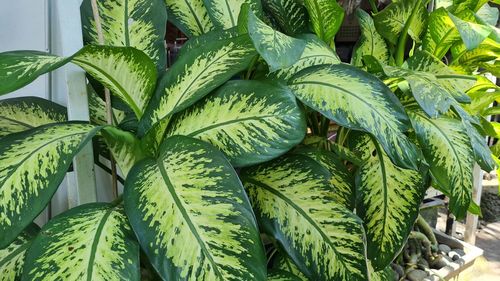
190	16
388	201
357	100
326	18
12	257
281	262
441	33
128	23
195	74
32	165
488	50
386	274
280	275
224	13
400	16
210	232
293	201
290	15
97	109
272	45
472	33
370	42
89	242
125	147
341	179
316	52
250	121
447	148
19	68
23	113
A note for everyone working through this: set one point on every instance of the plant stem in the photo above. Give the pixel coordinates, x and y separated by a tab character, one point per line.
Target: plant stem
403	38
426	229
251	67
107	97
373	6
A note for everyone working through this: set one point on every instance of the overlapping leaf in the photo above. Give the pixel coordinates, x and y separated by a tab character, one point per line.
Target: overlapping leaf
472	33
370	42
280	275
189	16
24	113
125	147
358	100
128	23
441	33
326	18
290	15
89	242
195	74
32	165
388	201
250	121
293	200
281	262
224	13
210	232
12	257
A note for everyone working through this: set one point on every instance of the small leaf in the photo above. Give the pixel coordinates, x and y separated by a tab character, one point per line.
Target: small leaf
224	13
280	275
370	42
125	147
326	18
290	15
472	33
191	17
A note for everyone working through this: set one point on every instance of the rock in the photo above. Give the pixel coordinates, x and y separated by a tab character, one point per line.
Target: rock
441	262
444	248
417	275
459	252
456	254
423	263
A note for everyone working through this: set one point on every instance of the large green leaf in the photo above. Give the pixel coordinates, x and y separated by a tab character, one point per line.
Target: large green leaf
250	121
281	262
32	165
280	275
224	13
290	15
125	147
441	33
128	23
97	109
190	16
386	274
388	201
279	50
370	42
358	100
487	51
326	18
447	148
399	16
210	232
472	33
89	242
195	74
23	113
12	257
293	201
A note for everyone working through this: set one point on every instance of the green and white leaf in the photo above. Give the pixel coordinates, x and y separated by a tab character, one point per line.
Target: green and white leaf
89	242
250	121
472	33
290	15
447	148
326	18
370	42
32	165
191	17
401	15
211	233
128	23
358	100
224	13
195	74
292	198
12	257
388	201
126	148
279	50
24	113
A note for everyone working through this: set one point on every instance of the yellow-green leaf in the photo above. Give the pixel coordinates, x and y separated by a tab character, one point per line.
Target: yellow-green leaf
12	257
224	13
290	15
370	42
190	16
126	148
326	18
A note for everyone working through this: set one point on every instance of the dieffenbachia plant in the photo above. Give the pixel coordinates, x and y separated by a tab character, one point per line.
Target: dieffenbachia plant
258	155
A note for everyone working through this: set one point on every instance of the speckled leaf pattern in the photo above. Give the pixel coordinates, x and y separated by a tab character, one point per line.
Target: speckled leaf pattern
341	179
12	257
388	201
441	33
195	74
97	109
370	42
19	68
128	23
190	16
281	262
447	149
272	44
326	18
224	13
24	113
472	33
487	51
391	21
126	71
125	147
386	274
210	232
250	121
293	201
92	242
290	15
32	165
316	52
359	101
280	275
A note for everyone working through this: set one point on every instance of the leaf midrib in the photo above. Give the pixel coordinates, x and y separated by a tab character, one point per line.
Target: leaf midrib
17	122
14	253
95	243
227	123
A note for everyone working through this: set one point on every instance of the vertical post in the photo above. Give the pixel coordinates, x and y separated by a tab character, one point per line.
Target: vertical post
67	40
472	220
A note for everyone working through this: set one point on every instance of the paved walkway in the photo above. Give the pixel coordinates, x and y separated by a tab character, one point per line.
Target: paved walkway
488	239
